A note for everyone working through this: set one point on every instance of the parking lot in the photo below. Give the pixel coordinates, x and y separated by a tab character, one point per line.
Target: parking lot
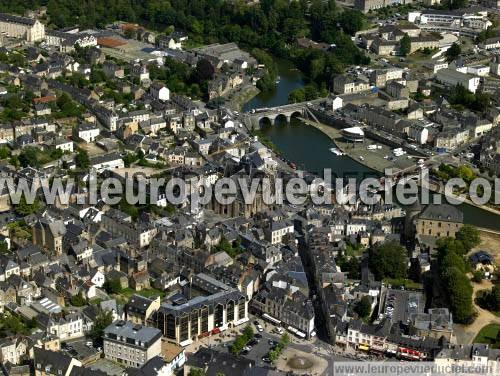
261	343
399	305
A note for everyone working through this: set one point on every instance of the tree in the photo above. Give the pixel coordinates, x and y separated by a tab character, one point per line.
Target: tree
24	209
453	52
13	325
446	245
350	265
204	70
196	372
405	45
112	286
469	236
351	21
248	332
267	83
490	299
82	159
4	152
455	283
388	260
363	307
29	157
297	96
478	276
459	292
456	4
4	247
465	173
102	320
78	300
242	340
285	339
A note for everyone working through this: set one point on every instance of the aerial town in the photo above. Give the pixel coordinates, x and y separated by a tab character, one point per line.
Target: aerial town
209	91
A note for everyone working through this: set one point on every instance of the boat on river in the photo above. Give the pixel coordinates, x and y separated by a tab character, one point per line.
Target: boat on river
336	151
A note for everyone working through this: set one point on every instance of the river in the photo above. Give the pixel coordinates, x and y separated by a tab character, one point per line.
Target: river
308	147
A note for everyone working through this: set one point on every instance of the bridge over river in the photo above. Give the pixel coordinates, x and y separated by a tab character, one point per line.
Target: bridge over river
256	118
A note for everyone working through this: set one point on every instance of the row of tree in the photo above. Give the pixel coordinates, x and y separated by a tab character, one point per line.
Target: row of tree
453	272
242	340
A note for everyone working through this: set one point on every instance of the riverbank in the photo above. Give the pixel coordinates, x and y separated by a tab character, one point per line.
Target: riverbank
374	159
242	96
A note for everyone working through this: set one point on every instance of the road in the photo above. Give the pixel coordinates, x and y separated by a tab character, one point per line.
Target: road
315	347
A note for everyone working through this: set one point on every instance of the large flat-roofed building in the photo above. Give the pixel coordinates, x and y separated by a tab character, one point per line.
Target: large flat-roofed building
450	77
216	308
131	344
28	29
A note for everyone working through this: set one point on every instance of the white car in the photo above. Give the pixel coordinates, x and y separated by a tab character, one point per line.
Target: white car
260	329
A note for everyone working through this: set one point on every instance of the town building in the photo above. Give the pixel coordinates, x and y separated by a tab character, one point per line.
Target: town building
29	29
437	221
86	132
452	78
343	84
130	344
52	363
218	308
118	224
366	5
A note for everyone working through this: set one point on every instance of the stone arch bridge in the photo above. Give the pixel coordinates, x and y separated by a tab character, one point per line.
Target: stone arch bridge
273	115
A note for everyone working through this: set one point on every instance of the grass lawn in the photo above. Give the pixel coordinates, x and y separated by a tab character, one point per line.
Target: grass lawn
407	283
354	251
128	292
95	301
488	334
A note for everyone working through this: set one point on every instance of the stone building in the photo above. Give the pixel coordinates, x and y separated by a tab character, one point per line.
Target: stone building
29	29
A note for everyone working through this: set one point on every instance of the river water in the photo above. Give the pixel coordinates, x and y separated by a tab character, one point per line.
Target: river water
308	147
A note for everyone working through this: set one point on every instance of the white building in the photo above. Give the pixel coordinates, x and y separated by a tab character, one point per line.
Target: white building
107	162
436	65
58	39
28	29
491	43
343	84
450	77
337	103
87	132
98	279
68	327
131	344
108	117
278	230
12	350
495	66
479	70
64	145
419	133
159	91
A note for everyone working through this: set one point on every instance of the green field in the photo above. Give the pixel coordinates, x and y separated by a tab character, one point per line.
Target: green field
489	334
148	293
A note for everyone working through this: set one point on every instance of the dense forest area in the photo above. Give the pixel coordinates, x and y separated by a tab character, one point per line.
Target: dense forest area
272	25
